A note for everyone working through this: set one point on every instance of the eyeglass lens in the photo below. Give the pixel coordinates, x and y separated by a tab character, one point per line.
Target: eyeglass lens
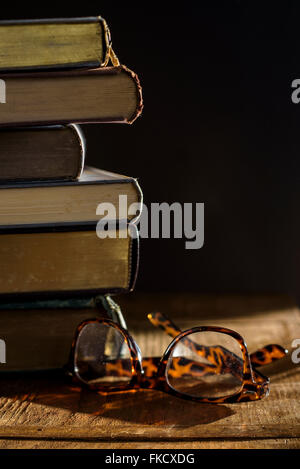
102	355
206	364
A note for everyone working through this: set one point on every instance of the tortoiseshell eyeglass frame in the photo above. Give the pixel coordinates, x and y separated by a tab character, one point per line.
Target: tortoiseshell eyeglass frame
152	372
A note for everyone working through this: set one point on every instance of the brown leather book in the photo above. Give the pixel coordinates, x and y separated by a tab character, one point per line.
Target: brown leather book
108	94
41	153
54	43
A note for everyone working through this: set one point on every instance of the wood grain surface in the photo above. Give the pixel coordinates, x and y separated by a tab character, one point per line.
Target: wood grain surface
45	411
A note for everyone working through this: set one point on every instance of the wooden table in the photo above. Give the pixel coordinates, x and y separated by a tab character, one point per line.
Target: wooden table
47	412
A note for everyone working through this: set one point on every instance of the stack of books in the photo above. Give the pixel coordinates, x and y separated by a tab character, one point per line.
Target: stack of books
54	269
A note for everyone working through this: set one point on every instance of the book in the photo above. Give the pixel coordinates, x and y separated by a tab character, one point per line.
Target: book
59	262
38	334
54	43
66	202
38	153
109	94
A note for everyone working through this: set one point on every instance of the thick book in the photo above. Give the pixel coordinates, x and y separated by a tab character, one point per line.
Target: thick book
68	202
41	153
38	334
109	94
54	43
62	262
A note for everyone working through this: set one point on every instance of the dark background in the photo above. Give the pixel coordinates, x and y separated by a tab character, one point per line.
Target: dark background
218	127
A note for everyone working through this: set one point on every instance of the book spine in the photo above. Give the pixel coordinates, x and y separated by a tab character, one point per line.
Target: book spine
140	102
82	143
134	255
109	53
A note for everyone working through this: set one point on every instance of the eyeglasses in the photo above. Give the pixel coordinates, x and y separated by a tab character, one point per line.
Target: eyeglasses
205	364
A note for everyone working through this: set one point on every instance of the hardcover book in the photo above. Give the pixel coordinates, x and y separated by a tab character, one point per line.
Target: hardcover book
38	334
41	153
109	94
47	262
54	43
66	202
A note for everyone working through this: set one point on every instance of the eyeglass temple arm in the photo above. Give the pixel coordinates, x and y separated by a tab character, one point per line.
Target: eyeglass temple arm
180	366
268	354
263	356
216	355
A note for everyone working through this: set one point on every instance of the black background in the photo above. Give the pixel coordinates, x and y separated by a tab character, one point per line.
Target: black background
218	127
